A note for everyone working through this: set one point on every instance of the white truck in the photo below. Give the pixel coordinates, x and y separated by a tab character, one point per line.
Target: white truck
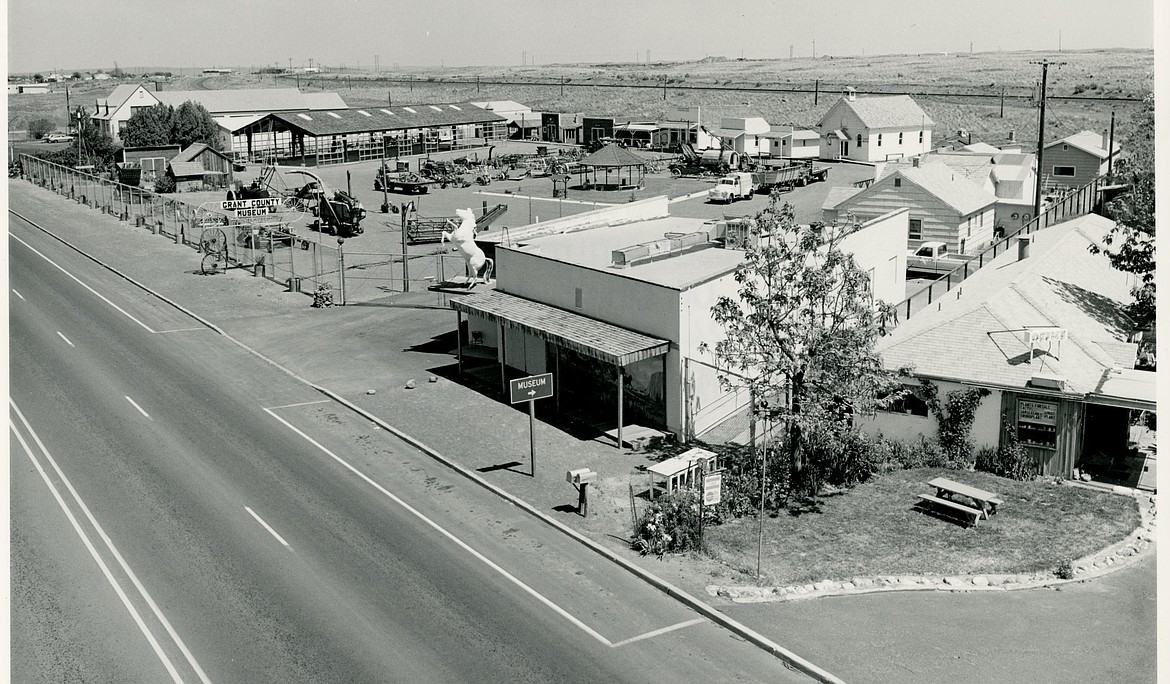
732	187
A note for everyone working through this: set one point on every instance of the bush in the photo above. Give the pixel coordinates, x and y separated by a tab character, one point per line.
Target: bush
1064	569
1008	460
669	525
164	184
39	128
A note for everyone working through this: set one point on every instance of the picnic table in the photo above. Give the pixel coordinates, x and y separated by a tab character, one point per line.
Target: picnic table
985	502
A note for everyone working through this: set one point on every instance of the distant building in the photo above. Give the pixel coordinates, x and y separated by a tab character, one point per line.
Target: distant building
684	124
788	142
32	88
1074	161
874	128
746	135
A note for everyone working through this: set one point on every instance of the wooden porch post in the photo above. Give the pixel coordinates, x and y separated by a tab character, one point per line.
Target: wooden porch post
557	366
620	402
459	338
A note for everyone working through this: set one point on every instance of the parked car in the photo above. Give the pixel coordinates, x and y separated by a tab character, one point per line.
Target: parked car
58	138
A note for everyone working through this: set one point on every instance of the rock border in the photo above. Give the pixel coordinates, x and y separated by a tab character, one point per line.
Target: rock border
1136	546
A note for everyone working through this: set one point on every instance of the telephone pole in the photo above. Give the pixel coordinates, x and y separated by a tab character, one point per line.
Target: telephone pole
1044	64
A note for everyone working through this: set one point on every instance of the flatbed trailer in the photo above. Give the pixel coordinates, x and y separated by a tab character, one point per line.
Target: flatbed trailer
787	177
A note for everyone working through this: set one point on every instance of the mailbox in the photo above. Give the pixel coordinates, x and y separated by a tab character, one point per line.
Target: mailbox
580	476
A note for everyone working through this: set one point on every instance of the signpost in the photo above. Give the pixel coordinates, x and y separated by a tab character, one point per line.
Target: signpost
530	389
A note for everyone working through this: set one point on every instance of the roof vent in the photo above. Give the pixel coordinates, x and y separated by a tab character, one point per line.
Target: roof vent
850	93
669	245
1024	246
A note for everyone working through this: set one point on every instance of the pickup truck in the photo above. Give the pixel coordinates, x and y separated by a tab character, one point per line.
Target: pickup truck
933	256
732	187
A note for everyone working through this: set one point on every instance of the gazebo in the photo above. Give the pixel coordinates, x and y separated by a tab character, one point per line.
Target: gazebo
613	158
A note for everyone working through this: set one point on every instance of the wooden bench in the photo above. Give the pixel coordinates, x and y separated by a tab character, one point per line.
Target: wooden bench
975	513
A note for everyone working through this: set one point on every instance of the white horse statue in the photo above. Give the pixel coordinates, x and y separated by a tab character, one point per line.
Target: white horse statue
463	237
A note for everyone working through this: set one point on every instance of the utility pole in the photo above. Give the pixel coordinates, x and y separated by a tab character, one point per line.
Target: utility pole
1108	150
1044	64
814	48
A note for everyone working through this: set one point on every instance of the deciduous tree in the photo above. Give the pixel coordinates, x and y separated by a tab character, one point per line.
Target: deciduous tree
799	334
193	123
1130	246
149	126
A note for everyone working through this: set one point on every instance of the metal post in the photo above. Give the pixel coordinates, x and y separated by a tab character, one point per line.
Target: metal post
763	484
502	355
532	436
341	259
405	256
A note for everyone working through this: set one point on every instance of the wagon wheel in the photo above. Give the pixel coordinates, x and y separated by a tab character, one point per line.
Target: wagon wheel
212	241
211	264
676	172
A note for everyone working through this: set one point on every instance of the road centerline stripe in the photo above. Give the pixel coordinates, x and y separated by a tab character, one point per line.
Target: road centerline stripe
17	293
303	403
135	405
441	530
267	527
79	282
110	545
658	632
66	339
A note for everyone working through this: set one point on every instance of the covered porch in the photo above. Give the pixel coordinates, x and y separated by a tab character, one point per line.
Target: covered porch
611	354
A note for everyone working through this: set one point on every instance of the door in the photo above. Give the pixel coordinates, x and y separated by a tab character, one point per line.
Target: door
844	148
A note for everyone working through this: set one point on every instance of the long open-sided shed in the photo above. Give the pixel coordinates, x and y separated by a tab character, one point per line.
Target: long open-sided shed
359	134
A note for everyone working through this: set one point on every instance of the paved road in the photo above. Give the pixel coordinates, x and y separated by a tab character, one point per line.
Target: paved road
182	511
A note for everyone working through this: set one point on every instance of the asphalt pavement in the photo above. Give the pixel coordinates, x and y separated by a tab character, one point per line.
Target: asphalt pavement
369	353
247	529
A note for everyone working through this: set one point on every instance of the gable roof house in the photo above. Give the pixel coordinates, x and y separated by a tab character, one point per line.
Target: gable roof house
746	135
1042	329
944	206
874	128
1076	160
1010	176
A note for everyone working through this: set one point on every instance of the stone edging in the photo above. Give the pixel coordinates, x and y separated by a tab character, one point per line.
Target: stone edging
1136	545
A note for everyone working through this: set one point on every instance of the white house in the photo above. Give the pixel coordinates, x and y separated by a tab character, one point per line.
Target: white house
617	302
874	128
1042	329
746	135
943	205
1010	176
788	142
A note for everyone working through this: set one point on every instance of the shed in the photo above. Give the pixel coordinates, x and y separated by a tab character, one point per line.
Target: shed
678	472
209	159
191	176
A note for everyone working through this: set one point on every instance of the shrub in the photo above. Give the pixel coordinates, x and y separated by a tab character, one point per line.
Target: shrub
669	525
1009	459
39	128
1064	569
164	184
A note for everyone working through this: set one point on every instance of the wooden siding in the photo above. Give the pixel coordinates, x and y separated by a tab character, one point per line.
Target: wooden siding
1069	433
939	222
1087	165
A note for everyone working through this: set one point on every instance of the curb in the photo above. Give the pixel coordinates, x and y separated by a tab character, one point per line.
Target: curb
790	659
1136	546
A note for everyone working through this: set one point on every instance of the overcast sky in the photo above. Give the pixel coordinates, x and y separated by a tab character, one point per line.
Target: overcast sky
48	35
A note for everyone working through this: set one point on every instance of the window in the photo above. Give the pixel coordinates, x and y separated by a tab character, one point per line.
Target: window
899	138
879	140
859	140
897	182
1036	422
578	298
920	137
909	403
1064	171
915	229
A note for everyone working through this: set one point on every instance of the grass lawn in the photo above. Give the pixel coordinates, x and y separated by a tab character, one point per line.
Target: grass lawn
874	530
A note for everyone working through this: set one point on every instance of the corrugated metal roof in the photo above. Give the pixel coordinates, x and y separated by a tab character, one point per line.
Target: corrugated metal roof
250	99
383	119
613	155
885	111
584	335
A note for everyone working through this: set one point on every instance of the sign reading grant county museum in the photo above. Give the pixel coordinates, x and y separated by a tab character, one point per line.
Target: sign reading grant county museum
531	387
245	208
